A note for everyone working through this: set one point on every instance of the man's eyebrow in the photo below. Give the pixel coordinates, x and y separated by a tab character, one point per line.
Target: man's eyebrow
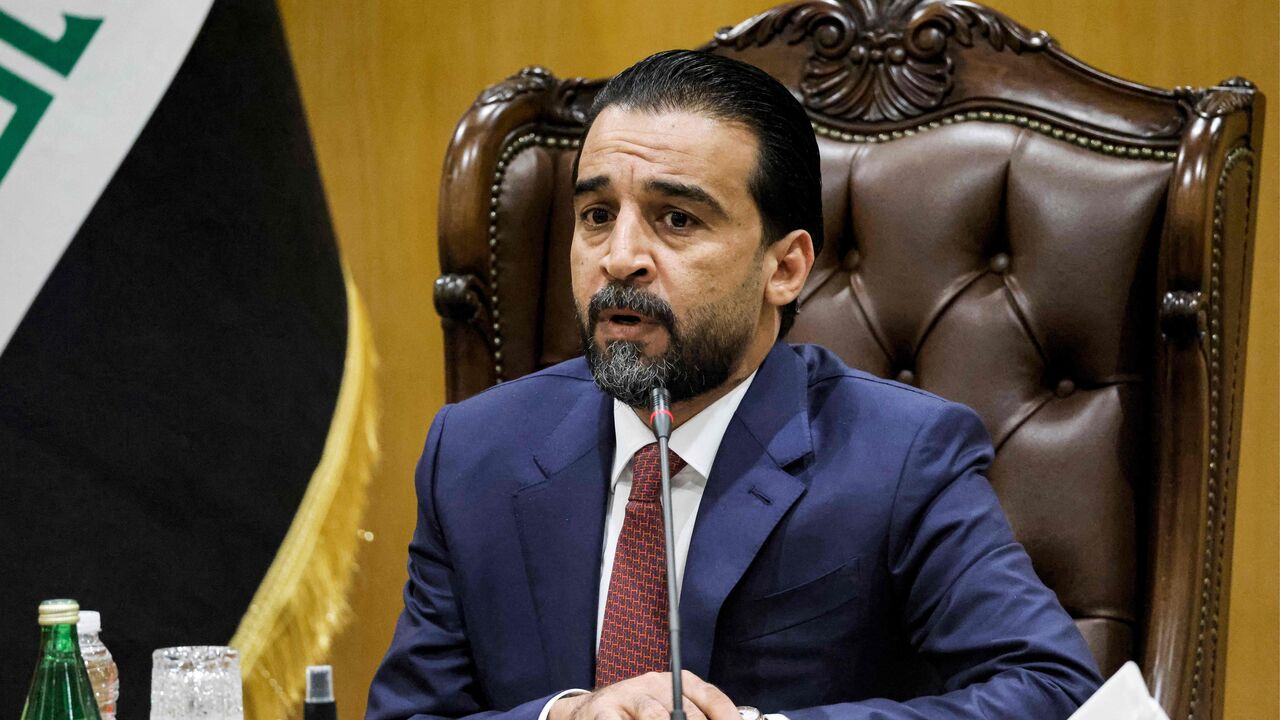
591	184
686	191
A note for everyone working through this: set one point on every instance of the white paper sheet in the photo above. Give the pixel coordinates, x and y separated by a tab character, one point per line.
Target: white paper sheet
1124	697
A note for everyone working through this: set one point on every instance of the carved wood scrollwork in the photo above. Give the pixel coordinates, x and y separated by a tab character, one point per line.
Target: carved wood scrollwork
563	104
880	59
1223	102
458	297
529	79
1181	317
1230	95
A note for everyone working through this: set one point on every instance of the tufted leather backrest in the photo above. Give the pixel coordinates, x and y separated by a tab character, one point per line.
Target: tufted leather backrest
1007	279
1065	252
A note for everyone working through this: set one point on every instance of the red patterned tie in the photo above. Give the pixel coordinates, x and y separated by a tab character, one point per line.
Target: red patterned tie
634	639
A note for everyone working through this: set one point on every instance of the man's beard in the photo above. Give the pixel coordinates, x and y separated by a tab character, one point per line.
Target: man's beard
701	351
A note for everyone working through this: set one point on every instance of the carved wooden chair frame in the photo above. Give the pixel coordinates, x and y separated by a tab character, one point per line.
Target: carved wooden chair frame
873	71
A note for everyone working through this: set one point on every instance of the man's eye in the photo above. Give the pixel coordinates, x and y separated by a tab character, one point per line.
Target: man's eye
596	216
679	220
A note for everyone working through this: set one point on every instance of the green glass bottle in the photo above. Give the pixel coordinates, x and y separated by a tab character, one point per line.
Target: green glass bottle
60	688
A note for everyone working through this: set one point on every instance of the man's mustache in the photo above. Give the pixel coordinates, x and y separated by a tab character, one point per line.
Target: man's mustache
620	296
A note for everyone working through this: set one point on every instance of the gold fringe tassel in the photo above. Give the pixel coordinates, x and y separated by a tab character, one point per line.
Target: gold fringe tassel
302	602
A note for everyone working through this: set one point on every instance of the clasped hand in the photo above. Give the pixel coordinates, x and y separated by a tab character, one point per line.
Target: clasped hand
647	697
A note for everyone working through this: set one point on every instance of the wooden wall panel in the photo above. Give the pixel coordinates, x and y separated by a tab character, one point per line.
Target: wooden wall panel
384	82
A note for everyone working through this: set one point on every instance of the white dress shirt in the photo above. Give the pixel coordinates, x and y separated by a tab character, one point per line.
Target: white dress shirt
696	441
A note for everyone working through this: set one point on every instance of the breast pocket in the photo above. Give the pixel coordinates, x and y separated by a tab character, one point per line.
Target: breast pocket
751	618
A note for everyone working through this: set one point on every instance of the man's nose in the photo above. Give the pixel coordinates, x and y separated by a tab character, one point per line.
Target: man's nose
630	253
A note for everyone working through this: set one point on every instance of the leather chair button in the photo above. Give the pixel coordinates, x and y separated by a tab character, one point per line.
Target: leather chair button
1065	388
852	259
906	377
999	262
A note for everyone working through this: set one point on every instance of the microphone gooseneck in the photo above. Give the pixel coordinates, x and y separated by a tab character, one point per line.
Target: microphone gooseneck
660	419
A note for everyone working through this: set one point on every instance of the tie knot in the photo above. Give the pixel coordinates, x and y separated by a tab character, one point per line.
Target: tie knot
646	472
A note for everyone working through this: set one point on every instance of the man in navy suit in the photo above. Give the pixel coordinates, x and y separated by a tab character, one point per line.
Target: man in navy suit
840	553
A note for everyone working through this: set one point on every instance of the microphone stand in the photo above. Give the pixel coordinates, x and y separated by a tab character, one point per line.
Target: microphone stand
660	420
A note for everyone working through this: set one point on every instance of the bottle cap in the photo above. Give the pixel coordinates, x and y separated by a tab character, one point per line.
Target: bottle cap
90	622
59	612
319	683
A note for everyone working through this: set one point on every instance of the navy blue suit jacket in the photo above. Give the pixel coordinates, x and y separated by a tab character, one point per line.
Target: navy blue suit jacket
849	559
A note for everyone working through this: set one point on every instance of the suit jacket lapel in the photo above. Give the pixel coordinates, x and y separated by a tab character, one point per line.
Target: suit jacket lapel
561	518
749	491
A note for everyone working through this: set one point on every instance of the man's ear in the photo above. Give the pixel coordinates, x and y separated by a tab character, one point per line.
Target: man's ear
793	259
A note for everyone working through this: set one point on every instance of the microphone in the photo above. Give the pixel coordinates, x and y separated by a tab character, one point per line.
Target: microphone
660	420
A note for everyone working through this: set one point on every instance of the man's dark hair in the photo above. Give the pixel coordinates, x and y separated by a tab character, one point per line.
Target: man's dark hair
787	182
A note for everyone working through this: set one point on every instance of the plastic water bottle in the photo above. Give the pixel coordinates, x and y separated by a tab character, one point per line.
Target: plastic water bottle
103	673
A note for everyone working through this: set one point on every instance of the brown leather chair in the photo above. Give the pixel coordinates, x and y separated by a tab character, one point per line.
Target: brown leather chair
1066	252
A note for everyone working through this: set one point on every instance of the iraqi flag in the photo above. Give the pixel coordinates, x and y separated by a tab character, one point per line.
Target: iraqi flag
185	399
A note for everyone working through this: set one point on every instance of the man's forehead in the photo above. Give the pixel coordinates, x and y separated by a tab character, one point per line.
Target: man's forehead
676	143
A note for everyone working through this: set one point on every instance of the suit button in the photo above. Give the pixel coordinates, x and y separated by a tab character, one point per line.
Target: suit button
906	377
999	263
1065	388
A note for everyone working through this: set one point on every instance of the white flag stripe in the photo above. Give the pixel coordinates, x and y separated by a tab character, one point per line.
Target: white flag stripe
95	115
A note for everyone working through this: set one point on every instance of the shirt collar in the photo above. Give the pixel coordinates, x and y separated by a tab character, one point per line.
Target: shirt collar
697	440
